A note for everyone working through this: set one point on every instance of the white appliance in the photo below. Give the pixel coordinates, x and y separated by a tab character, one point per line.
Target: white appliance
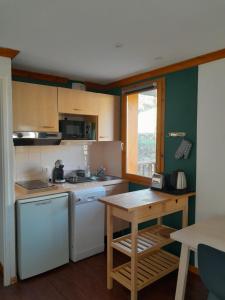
42	234
87	218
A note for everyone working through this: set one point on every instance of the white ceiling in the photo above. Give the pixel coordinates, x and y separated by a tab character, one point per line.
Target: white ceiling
76	38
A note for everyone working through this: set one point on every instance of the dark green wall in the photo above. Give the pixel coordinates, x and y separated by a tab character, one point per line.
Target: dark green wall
181	115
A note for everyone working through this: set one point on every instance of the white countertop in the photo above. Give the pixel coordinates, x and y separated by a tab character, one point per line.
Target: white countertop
210	232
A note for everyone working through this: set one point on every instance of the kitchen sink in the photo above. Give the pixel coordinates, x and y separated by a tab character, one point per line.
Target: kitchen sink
103	178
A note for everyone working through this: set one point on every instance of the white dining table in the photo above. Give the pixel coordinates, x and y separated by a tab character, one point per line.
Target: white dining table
210	232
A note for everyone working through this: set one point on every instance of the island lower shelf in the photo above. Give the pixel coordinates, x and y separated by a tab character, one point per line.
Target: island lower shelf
149	269
148	240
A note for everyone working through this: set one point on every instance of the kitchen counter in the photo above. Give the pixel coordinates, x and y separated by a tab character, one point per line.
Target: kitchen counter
22	193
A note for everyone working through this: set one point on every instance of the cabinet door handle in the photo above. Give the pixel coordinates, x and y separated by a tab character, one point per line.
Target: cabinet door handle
103	137
76	109
47	126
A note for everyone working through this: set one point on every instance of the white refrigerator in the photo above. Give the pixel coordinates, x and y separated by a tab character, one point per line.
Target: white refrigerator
42	234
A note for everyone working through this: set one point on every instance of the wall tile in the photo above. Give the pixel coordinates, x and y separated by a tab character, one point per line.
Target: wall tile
31	162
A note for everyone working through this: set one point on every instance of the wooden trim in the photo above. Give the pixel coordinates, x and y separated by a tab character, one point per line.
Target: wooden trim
138	179
123	134
7	52
52	78
193	270
94	86
13	280
39	76
192	62
195	61
160	135
160	124
132	137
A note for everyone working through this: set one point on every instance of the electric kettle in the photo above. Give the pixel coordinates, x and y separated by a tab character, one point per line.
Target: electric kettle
178	180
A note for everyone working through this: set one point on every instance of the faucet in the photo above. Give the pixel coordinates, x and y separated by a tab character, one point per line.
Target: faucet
100	172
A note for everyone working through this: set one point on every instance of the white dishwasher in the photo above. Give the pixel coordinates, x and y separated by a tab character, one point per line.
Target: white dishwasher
42	234
87	217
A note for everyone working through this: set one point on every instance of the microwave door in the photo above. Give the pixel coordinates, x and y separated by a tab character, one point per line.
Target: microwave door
72	130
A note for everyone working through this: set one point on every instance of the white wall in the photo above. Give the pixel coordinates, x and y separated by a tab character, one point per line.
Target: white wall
211	140
30	161
7	225
108	155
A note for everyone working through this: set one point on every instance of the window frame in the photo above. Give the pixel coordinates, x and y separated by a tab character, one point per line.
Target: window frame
160	84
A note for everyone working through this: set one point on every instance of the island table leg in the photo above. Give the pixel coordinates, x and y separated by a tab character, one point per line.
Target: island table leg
185	215
182	273
109	247
134	231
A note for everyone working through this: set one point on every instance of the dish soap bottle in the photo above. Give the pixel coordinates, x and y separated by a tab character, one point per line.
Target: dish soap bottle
88	171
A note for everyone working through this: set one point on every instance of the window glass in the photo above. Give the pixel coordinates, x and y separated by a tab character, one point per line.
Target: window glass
141	132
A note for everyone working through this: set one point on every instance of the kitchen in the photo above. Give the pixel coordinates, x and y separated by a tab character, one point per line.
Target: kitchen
50	165
40	162
103	162
63	168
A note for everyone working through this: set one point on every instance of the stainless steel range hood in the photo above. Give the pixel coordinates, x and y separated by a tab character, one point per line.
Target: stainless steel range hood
36	138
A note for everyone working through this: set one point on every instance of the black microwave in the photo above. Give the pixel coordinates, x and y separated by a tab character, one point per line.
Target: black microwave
77	130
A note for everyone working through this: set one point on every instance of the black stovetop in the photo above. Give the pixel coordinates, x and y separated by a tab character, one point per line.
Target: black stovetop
34	184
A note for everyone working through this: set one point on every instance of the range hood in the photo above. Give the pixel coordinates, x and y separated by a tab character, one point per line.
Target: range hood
36	138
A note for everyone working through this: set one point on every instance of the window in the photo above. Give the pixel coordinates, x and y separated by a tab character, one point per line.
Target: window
142	131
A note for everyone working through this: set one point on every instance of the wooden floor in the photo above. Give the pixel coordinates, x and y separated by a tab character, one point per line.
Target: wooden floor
87	280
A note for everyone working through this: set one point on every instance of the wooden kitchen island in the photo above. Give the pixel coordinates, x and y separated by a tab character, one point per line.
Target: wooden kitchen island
148	262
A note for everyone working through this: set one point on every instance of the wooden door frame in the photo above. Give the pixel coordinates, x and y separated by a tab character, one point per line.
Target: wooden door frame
160	132
7	193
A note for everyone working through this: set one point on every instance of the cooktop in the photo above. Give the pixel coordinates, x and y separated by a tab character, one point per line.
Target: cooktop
34	184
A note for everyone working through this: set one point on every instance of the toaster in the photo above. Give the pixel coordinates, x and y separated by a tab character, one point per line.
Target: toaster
157	181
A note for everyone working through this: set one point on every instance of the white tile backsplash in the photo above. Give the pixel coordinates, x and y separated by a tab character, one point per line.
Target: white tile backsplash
32	162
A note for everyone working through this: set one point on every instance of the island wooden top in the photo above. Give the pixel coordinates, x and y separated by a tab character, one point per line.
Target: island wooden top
134	200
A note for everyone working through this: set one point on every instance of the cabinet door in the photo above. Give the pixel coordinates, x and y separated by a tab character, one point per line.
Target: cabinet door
108	118
77	102
34	107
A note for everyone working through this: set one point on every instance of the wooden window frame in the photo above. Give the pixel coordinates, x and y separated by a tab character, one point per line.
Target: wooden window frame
160	84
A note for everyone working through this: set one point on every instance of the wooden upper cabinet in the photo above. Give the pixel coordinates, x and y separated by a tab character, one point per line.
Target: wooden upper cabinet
77	102
34	107
108	117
